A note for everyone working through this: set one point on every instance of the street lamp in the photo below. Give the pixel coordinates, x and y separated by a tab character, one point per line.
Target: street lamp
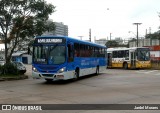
133	37
110	36
137	30
132	32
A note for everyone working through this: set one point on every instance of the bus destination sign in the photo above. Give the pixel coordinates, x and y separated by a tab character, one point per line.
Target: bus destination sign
49	40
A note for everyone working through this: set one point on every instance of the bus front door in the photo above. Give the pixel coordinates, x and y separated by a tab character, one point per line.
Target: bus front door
133	60
70	56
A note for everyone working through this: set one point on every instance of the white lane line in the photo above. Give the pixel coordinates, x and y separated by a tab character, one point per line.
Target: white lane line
157	73
151	71
147	71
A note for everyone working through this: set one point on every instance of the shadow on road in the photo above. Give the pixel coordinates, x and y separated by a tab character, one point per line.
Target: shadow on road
63	82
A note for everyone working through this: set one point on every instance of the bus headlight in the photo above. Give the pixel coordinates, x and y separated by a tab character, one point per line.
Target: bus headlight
34	69
62	70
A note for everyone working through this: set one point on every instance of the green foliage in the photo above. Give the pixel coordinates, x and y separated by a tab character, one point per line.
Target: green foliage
112	43
1	70
155	35
21	19
8	69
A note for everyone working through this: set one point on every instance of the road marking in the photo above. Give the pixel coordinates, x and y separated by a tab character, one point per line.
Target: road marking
157	73
147	71
151	71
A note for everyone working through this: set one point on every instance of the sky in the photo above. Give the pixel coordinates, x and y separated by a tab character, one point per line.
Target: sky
107	16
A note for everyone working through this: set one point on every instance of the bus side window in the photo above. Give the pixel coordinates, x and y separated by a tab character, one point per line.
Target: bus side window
114	54
126	54
91	51
76	50
70	53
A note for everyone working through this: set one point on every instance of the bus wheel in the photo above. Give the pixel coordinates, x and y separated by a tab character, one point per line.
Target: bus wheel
125	66
76	74
97	71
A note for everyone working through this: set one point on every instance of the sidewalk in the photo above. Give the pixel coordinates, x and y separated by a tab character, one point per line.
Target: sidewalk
29	69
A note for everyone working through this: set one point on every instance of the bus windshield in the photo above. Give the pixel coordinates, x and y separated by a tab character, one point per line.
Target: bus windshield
54	54
143	54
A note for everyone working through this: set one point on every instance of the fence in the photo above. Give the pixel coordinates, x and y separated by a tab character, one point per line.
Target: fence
155	64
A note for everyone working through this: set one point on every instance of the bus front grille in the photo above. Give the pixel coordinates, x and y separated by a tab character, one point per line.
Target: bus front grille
47	67
48	75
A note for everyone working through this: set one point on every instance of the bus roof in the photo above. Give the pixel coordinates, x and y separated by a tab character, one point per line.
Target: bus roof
72	39
118	49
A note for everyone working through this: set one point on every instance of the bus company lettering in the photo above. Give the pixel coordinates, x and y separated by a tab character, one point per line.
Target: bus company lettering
49	40
41	60
95	62
84	63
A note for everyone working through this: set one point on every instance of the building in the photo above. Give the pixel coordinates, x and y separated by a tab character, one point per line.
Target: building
119	40
22	56
155	52
144	42
101	41
60	29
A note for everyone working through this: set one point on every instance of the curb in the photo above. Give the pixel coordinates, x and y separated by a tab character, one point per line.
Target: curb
13	78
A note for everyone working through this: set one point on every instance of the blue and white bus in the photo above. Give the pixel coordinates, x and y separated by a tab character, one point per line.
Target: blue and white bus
63	58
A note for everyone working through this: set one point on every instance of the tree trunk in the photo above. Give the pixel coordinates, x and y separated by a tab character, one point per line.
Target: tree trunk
6	52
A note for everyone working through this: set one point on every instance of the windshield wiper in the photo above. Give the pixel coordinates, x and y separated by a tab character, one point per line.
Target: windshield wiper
53	48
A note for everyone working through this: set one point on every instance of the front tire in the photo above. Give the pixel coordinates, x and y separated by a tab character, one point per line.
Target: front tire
97	71
76	74
125	66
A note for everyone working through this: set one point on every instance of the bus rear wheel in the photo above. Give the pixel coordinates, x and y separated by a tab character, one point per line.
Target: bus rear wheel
125	66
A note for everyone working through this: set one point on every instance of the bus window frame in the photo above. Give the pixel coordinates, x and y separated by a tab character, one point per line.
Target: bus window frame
70	53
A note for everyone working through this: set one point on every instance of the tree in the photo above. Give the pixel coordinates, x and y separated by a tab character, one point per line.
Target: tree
21	19
112	43
155	35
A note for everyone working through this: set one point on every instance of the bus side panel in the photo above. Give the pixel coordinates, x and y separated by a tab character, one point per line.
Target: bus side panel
89	65
86	65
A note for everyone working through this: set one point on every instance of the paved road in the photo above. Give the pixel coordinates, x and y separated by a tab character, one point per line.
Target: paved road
113	86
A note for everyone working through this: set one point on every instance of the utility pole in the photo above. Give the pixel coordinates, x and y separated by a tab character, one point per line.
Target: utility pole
137	30
110	35
146	32
150	36
90	34
149	30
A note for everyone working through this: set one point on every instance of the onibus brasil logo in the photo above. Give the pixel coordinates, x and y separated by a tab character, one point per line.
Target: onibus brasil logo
21	107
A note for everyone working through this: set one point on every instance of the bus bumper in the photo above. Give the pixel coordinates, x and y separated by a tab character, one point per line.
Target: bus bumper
52	76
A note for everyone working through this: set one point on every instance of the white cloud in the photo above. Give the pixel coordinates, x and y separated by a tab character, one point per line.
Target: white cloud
80	15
